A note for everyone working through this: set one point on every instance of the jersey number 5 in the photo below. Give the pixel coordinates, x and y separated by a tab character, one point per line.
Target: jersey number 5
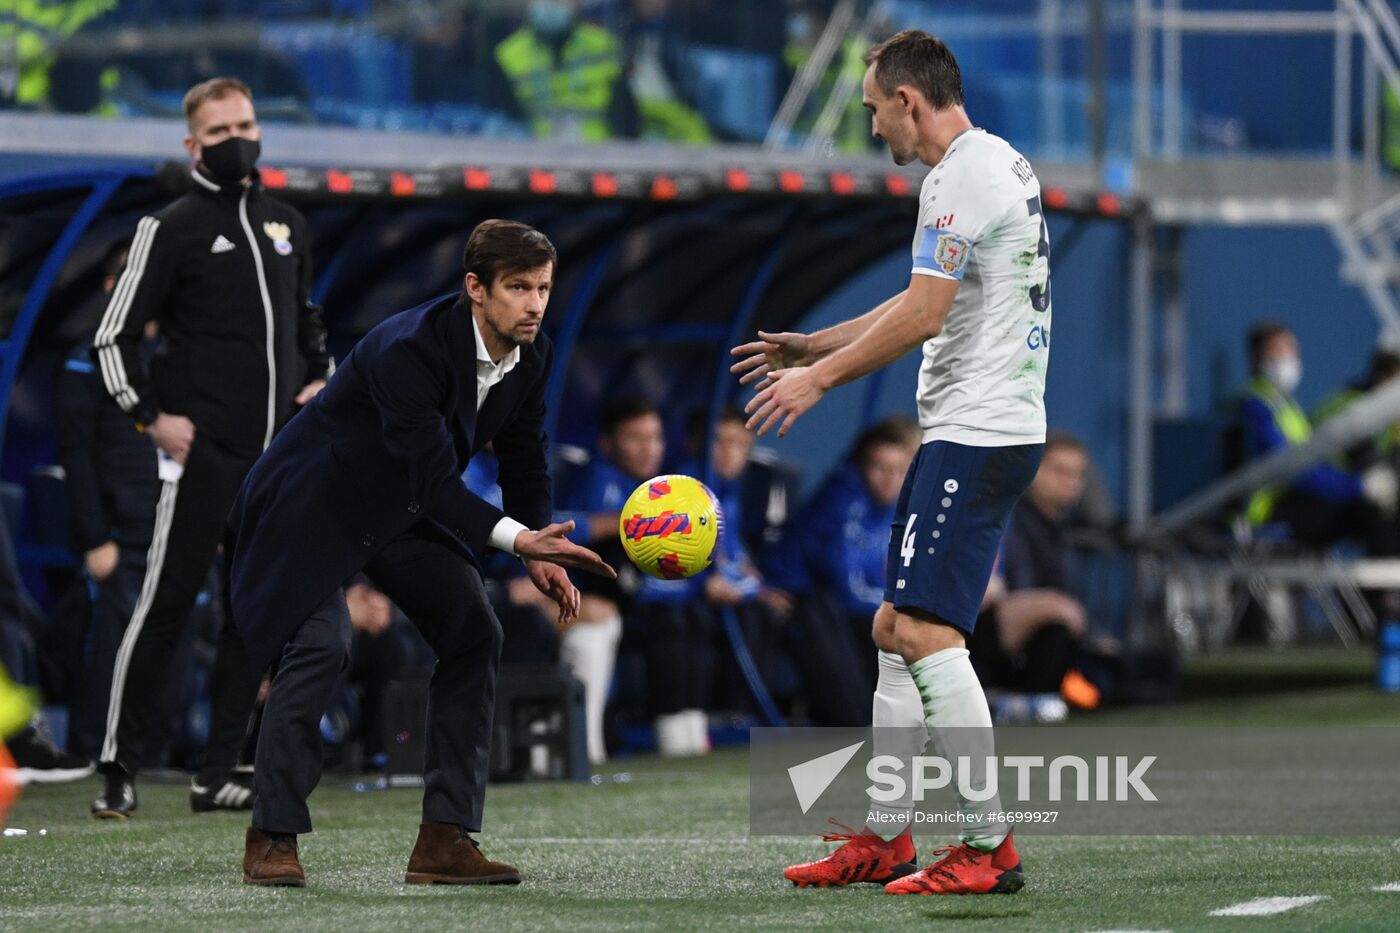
1040	294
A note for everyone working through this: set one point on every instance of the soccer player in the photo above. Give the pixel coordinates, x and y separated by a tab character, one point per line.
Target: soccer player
979	302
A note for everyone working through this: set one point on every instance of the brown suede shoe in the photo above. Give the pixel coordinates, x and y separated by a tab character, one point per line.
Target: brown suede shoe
445	854
271	860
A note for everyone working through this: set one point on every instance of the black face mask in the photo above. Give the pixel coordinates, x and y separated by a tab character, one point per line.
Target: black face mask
231	160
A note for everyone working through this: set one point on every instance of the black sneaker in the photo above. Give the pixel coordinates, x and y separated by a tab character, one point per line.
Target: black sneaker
118	797
234	792
39	762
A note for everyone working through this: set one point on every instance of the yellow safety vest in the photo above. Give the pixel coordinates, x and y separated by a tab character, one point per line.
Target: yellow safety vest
34	29
577	89
668	119
1293	424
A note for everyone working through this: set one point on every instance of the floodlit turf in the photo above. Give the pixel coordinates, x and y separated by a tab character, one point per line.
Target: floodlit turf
668	848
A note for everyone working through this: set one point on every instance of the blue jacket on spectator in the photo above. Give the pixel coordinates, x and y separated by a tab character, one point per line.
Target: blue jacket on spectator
838	541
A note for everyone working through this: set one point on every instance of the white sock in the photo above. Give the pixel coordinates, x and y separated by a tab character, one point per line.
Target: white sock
673	734
953	701
698	723
897	713
590	651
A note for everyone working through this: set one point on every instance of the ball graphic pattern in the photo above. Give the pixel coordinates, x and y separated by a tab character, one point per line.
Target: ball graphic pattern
670	526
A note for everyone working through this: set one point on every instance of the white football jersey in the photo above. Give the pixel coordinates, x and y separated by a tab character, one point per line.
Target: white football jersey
982	382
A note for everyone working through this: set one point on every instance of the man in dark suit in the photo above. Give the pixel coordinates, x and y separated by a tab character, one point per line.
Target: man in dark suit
367	477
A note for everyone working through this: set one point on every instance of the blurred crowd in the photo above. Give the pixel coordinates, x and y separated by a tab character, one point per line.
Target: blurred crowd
680	71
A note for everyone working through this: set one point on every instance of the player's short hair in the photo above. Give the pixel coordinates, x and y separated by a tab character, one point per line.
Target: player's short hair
1063	440
504	247
921	61
1260	336
213	89
894	431
623	409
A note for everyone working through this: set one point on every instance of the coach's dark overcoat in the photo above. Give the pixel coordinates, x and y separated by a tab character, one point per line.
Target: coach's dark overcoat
379	450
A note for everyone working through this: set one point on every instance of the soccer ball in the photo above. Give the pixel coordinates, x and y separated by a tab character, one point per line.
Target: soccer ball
670	526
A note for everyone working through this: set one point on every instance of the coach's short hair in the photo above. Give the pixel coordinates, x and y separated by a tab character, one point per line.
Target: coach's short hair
923	62
504	247
213	89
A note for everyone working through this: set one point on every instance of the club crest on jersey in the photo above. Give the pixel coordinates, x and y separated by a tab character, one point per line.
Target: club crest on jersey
656	526
280	235
952	253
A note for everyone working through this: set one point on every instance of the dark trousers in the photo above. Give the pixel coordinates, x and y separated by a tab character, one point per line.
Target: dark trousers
680	655
189	524
444	596
113	603
836	659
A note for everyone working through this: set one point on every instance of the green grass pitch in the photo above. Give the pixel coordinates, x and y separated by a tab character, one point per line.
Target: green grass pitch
668	849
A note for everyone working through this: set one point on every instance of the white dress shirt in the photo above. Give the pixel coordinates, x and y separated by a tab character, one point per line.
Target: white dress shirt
488	373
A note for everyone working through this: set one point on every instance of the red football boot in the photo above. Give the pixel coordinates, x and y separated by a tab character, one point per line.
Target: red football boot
965	870
864	857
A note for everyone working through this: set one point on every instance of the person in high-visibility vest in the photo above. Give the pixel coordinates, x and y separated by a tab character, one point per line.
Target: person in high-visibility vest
564	73
662	114
852	133
1385	446
1325	503
31	32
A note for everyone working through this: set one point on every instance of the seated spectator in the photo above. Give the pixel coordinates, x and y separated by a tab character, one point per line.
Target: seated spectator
1325	503
631	448
833	558
384	647
662	113
1028	636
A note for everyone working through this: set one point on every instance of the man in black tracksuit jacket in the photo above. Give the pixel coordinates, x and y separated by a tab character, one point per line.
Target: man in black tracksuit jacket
226	271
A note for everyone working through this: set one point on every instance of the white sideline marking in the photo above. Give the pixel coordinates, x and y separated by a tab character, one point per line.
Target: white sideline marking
1393	886
1265	906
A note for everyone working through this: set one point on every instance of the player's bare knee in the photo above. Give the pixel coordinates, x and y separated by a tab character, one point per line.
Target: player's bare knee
920	635
882	629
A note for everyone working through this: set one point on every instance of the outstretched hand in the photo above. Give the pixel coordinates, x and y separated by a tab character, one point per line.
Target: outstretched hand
553	581
768	354
551	545
787	396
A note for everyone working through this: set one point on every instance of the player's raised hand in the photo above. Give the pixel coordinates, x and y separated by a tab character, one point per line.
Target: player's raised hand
788	395
769	353
552	545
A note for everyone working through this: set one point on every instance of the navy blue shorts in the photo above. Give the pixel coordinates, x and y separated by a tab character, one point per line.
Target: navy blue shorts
952	512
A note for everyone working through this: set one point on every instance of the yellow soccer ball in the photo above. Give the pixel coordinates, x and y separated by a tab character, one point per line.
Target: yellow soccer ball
670	526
